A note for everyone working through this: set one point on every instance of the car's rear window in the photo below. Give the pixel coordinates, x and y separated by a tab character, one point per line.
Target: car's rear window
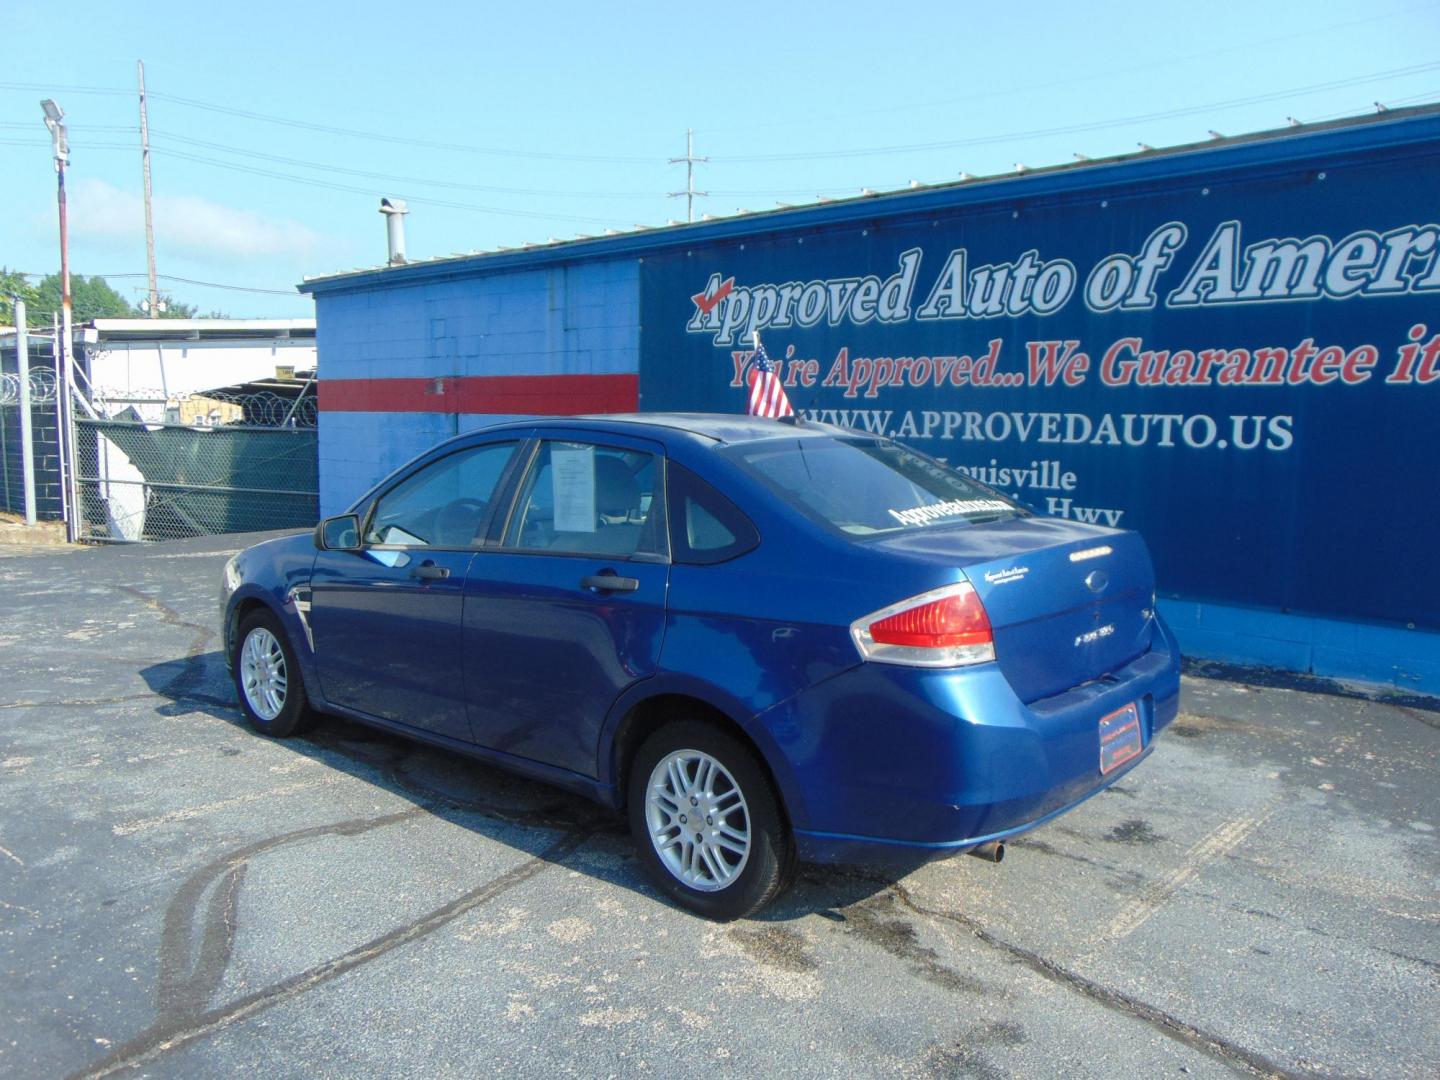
866	487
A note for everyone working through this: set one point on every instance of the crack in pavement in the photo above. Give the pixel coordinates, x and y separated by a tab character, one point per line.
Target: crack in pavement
77	701
167	613
1190	1035
1167	1024
187	979
192	669
185	987
1428	719
194	810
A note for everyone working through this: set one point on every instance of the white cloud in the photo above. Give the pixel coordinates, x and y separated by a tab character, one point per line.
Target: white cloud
187	225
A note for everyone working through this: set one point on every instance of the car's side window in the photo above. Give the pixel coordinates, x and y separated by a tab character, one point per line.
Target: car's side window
586	499
705	526
445	504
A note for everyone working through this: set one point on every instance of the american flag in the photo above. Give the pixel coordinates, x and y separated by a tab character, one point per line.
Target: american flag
767	395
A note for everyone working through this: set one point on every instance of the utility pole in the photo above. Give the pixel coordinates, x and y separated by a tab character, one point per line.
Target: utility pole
690	161
152	308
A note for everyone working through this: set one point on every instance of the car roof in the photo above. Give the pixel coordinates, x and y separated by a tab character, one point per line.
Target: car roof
714	427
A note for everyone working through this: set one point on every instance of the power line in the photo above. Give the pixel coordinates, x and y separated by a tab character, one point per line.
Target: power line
281	159
331	129
172	277
332	186
490	188
376	136
498	190
500	211
49	88
556	192
321	166
1097	125
740	193
207	284
1389	103
73	145
308	181
1169	62
21	126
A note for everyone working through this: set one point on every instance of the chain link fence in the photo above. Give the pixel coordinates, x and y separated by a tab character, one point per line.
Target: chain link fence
152	466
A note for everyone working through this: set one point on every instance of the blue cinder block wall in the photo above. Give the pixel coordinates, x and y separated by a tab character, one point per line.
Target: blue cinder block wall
45	430
455	348
1399	658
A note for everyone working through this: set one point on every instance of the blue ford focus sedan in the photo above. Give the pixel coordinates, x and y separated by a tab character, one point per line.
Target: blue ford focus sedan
766	642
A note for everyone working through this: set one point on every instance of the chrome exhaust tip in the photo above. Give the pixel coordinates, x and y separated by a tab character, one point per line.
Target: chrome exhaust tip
993	851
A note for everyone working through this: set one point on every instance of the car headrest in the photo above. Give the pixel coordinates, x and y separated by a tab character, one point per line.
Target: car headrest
617	492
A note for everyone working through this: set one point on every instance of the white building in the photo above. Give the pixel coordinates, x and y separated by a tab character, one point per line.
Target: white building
145	363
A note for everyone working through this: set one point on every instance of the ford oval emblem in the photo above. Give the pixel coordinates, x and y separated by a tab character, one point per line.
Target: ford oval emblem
1096	580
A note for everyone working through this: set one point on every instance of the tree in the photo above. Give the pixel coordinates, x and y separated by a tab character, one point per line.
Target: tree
15	284
90	298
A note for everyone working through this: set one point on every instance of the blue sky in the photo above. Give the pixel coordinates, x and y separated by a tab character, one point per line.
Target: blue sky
507	123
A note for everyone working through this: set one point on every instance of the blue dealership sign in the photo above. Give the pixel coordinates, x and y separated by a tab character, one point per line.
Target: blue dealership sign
1237	354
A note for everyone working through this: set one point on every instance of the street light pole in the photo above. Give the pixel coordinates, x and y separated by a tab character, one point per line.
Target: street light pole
55	121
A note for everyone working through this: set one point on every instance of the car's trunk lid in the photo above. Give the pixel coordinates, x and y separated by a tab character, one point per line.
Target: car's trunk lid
1068	602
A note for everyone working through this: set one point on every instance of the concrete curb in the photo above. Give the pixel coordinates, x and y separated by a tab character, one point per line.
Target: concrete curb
13	530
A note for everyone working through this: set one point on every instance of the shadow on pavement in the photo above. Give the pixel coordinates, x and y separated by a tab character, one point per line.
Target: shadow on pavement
482	797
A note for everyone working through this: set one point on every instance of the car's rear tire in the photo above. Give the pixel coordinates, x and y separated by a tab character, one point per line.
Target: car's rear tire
707	821
267	678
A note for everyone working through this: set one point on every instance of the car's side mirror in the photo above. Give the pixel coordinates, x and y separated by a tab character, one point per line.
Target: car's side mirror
341	533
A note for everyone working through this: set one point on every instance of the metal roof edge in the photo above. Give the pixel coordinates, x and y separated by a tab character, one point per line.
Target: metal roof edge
190	325
196	330
1283	146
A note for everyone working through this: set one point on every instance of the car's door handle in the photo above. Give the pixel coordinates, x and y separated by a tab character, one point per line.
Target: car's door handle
610	583
430	572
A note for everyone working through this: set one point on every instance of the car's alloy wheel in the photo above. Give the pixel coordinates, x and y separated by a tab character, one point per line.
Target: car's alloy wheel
267	679
699	823
263	675
707	821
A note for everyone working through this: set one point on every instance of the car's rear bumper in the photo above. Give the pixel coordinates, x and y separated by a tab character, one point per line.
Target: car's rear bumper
824	847
900	765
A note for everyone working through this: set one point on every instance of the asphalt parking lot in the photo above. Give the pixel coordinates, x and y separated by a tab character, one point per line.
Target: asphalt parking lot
182	898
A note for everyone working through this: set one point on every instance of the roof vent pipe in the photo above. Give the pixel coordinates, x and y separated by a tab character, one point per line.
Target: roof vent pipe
395	211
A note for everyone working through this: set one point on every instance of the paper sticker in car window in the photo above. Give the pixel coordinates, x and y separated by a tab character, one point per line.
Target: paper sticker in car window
572	475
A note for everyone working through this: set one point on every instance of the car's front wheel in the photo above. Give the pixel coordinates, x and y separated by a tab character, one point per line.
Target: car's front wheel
707	821
267	678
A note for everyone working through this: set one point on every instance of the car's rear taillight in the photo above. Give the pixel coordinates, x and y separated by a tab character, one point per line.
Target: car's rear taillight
941	628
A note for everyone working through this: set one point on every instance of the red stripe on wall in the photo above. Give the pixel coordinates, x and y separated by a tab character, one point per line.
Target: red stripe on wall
543	395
